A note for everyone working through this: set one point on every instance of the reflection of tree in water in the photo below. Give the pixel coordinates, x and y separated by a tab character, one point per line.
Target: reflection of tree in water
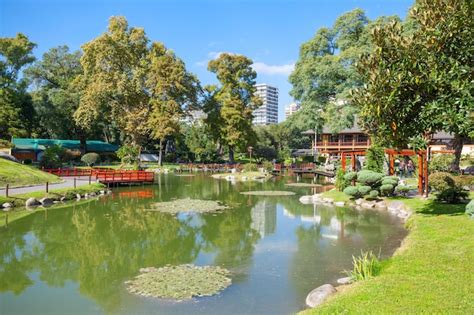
99	249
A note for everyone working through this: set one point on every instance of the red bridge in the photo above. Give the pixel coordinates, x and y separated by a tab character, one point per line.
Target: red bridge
107	176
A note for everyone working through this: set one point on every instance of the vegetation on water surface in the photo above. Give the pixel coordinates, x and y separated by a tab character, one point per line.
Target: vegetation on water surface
268	193
243	176
181	282
428	273
188	205
16	174
303	185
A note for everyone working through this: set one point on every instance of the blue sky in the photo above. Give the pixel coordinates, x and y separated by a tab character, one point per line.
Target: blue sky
268	31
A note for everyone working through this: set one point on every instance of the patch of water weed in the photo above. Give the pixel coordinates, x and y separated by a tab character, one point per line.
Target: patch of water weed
188	205
181	282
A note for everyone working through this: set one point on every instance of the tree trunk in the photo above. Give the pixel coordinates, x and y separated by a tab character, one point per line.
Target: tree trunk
83	143
231	155
458	143
160	155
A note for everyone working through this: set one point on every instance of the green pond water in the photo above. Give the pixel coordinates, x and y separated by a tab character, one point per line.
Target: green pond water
75	260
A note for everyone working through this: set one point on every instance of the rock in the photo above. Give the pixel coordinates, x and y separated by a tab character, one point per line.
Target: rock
395	206
92	194
62	199
317	197
367	205
328	200
340	203
109	192
380	205
102	192
46	201
233	171
7	205
244	178
345	280
78	196
319	295
86	195
31	202
306	199
359	201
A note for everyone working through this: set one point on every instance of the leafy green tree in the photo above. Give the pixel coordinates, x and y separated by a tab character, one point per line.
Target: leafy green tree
113	82
199	141
173	90
375	159
16	108
419	81
236	98
325	71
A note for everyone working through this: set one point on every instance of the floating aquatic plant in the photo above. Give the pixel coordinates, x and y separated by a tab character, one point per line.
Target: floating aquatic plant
303	185
188	205
180	282
268	193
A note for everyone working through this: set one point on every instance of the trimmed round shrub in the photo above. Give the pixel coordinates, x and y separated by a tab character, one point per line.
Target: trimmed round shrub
350	176
386	190
90	158
27	161
470	208
395	178
352	191
373	194
369	178
402	190
364	190
441	181
389	182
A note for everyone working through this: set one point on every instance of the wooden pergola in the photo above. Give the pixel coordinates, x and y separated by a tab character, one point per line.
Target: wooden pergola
422	166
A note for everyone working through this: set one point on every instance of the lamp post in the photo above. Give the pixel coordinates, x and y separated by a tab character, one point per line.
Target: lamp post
250	149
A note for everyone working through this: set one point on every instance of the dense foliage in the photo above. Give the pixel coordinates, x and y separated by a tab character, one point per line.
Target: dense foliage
370	183
90	158
447	187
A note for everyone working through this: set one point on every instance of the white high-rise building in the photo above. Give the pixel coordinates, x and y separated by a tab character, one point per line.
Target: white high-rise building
291	109
267	113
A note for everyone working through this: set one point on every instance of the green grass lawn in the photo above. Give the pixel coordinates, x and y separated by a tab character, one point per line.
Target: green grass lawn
336	195
16	174
432	273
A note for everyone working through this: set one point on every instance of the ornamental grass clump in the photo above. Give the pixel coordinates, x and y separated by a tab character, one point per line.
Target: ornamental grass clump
366	266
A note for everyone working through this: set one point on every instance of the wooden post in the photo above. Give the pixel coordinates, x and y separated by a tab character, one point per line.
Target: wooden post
353	162
426	174
47	187
420	173
6	190
90	179
392	164
75	183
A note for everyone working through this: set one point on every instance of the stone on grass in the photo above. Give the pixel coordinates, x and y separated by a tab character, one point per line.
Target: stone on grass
31	202
340	203
181	282
359	201
344	281
7	205
46	201
367	205
319	295
328	200
78	196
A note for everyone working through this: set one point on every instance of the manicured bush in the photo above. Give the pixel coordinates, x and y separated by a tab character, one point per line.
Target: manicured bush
350	176
441	163
395	178
52	157
373	194
387	190
250	167
389	182
447	187
402	190
369	178
90	158
27	161
364	190
341	182
470	208
352	191
129	154
374	159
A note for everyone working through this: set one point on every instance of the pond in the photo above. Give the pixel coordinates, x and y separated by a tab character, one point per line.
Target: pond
75	260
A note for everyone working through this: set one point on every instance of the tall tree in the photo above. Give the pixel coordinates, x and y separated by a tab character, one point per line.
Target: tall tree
113	83
419	81
325	71
16	109
55	95
172	90
236	98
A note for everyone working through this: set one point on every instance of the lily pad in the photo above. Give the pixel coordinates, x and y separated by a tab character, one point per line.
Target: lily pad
188	205
181	282
268	193
303	185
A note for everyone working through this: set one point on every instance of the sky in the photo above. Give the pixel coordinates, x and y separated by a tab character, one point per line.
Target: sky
270	32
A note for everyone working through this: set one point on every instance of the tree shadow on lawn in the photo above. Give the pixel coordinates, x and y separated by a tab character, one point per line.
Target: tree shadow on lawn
434	207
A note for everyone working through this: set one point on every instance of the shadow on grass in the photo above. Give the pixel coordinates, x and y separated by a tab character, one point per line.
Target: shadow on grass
433	207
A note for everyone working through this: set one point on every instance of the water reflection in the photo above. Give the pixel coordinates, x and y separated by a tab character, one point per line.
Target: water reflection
101	244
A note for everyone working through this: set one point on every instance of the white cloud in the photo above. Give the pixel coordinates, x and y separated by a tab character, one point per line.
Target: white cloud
211	56
263	68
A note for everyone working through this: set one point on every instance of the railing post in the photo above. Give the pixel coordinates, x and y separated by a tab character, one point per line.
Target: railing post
90	179
47	187
6	190
74	183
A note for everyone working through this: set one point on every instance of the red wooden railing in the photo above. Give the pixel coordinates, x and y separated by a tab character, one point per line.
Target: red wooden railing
106	175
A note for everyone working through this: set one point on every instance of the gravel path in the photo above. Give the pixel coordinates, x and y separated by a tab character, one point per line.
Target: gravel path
68	183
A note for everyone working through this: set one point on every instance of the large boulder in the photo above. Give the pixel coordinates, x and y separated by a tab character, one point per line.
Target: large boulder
46	201
319	295
7	205
31	202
